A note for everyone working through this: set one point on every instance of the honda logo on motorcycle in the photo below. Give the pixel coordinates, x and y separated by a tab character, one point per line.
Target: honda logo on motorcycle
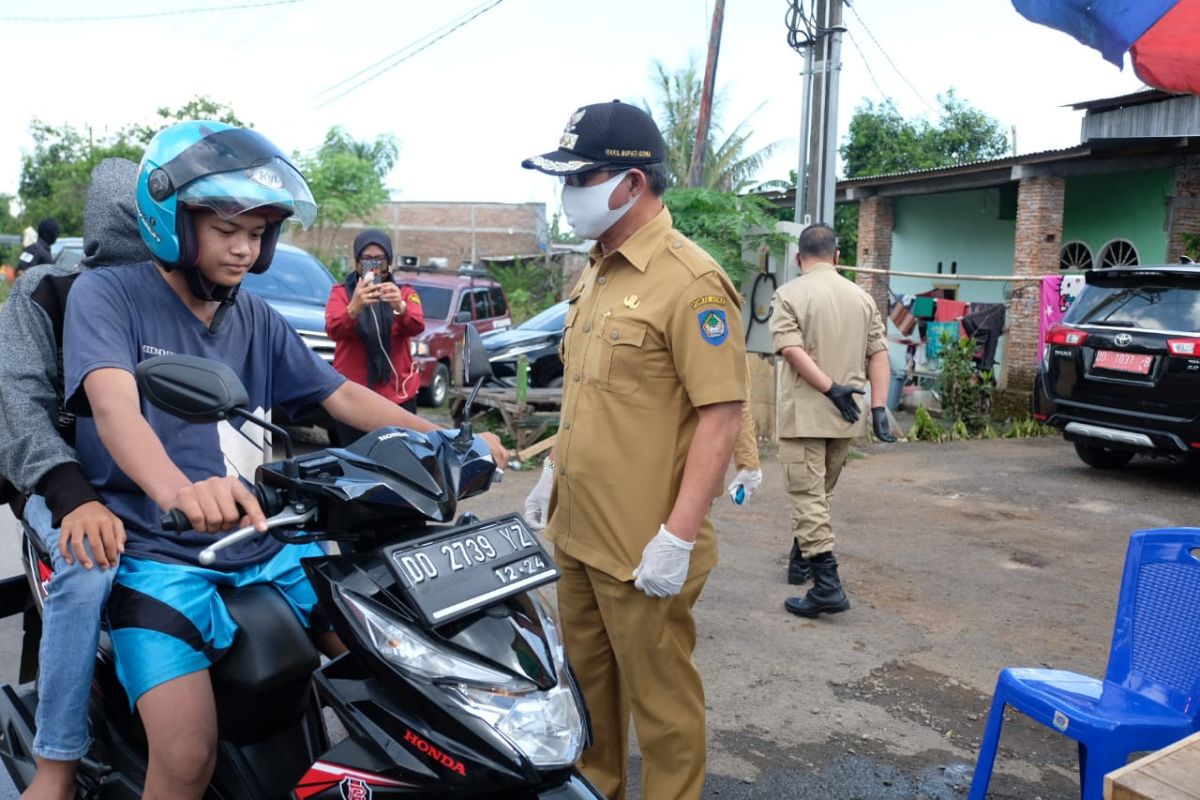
355	789
1122	339
440	756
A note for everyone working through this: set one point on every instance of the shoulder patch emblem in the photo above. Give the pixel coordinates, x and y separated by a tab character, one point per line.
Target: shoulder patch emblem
414	298
708	300
713	327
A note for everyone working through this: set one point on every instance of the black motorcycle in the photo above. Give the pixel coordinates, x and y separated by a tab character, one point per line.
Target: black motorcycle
455	683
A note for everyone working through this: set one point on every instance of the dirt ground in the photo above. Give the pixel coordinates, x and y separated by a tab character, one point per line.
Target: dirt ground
959	559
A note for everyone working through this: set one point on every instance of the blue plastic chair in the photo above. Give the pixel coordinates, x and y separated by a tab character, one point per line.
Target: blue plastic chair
1150	695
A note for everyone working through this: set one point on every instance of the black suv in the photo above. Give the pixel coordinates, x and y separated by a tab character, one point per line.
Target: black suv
1121	373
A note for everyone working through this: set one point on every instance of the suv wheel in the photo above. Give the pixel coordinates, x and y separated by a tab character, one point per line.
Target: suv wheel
435	394
1102	457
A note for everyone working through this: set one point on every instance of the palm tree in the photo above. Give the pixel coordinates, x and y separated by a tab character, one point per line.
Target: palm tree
727	165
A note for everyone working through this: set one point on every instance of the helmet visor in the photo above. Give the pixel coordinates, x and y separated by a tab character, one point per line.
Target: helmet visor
271	185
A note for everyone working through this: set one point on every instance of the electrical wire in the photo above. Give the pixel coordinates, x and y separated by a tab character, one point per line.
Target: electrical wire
903	77
867	64
398	57
153	14
801	25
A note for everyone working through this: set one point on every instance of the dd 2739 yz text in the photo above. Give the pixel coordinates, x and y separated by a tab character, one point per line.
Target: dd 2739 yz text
459	553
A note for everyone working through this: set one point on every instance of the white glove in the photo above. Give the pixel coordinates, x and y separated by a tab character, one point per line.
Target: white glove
748	480
537	504
664	565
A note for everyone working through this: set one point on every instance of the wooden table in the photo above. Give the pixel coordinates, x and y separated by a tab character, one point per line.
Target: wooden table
1172	773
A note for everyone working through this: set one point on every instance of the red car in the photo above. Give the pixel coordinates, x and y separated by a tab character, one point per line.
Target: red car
450	301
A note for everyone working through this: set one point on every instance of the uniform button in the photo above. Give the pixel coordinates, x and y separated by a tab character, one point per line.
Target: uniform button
602	280
615	334
562	470
575	377
587	327
566	426
676	245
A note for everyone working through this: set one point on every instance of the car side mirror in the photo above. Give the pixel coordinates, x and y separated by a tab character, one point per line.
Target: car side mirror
462	317
191	388
476	365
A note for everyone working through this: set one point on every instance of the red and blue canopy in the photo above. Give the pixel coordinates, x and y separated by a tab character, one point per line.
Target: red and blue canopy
1162	36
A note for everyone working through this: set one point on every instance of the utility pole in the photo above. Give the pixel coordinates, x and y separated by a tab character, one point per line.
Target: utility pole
696	172
816	179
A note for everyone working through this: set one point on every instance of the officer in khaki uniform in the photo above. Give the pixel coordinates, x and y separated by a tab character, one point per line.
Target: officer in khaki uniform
654	382
831	337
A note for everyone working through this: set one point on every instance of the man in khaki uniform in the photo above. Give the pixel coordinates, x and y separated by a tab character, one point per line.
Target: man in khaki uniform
831	337
653	385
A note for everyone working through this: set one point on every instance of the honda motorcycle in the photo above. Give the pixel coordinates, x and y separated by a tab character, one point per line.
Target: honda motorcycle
455	683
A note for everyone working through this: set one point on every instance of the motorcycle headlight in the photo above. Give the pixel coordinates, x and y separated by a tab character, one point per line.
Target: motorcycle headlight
413	653
547	726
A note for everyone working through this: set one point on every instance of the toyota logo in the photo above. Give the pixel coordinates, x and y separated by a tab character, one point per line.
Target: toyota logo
1122	339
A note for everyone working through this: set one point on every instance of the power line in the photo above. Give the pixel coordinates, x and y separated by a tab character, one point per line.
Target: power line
404	53
866	64
153	14
916	91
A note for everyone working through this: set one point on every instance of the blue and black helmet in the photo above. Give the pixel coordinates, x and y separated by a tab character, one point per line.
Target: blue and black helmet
211	165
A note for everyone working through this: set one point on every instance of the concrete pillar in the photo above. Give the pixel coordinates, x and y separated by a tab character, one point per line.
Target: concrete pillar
1037	246
875	222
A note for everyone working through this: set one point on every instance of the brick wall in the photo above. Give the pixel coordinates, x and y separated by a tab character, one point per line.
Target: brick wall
442	230
1038	240
1185	208
875	221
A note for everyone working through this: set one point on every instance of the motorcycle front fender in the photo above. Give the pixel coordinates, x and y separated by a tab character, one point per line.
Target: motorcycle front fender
577	787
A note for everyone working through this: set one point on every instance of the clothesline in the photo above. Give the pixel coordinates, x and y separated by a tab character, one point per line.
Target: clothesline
944	275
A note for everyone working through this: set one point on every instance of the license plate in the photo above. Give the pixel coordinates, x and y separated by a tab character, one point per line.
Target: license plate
1123	362
464	569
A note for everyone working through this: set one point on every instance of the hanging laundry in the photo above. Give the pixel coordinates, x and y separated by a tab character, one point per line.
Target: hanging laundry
985	322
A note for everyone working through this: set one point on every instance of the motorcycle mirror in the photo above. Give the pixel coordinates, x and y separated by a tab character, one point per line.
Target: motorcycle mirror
191	388
200	390
476	365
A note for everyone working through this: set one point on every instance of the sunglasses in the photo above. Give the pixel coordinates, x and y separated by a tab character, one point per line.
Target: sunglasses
585	178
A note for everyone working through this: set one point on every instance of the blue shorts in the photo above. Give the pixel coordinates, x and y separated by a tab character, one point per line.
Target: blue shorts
168	620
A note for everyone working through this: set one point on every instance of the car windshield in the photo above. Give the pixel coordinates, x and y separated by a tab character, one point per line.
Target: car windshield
552	319
435	300
292	276
1148	307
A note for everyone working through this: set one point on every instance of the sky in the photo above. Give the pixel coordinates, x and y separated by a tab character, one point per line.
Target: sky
467	109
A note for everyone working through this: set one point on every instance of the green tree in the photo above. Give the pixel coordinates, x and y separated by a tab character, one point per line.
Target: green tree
721	222
881	141
347	181
56	174
199	107
727	164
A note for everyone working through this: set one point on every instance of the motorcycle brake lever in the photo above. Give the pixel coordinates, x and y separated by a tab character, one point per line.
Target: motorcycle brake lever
288	516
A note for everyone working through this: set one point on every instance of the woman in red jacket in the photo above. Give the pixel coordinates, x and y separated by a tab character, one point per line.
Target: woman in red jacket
370	319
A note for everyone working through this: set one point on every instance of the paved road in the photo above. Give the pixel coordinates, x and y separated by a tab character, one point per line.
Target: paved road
959	559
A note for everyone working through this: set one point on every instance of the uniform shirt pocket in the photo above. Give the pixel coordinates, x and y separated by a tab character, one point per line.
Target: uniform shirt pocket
621	363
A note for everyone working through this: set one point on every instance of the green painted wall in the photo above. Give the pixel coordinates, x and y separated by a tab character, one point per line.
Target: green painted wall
1124	205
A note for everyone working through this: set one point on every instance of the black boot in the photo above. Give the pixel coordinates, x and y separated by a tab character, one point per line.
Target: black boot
798	571
826	595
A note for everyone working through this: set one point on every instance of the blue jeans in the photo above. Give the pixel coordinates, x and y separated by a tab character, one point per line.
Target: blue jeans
70	633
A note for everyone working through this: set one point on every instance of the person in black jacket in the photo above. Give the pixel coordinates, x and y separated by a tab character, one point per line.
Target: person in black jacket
39	252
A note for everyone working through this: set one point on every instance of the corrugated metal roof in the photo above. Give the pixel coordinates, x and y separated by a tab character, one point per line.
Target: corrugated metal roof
1132	99
1007	161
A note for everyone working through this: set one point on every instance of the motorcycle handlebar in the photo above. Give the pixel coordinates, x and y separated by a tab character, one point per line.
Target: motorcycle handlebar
283	519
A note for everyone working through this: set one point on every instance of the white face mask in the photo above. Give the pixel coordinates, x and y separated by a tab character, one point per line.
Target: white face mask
587	208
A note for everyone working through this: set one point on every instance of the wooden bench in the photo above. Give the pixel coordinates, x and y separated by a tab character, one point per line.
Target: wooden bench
1172	773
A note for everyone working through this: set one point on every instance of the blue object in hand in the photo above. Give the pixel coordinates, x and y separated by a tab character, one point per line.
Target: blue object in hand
739	495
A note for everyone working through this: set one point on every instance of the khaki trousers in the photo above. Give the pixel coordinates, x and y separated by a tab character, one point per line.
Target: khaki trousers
811	468
633	654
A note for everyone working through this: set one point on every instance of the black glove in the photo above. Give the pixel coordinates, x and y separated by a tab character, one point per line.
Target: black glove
879	424
843	398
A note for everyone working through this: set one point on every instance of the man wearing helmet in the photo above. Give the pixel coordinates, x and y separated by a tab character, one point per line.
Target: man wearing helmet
211	200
